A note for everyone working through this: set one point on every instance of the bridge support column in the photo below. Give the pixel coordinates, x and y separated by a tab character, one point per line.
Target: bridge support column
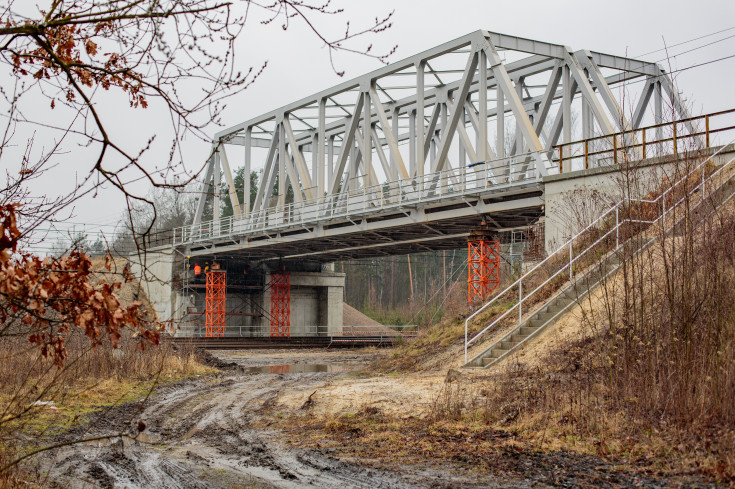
280	304
215	300
483	265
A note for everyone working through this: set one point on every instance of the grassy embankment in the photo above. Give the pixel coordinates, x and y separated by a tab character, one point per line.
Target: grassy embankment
646	383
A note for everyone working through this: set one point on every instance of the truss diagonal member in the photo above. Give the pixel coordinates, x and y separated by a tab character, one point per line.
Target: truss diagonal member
585	59
285	162
677	104
516	105
548	98
365	141
389	171
643	100
389	131
268	179
542	111
556	126
476	124
467	143
237	210
301	169
464	139
206	186
588	94
462	91
347	144
431	129
364	169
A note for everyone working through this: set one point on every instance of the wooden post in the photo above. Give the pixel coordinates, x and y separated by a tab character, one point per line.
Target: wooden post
706	129
615	149
644	143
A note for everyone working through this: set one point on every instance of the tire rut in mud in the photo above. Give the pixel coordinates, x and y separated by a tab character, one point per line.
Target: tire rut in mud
199	434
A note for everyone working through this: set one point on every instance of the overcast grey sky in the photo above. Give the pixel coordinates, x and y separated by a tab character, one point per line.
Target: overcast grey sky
298	65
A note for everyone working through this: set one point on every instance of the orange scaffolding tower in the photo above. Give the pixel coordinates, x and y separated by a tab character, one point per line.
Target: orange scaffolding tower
280	304
483	264
215	299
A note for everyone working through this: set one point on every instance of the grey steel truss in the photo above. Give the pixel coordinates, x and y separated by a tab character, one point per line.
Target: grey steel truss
473	117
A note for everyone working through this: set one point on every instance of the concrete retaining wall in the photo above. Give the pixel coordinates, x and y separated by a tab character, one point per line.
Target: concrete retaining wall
576	198
155	272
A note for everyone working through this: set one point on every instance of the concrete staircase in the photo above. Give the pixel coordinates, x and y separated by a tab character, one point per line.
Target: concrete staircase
555	308
583	285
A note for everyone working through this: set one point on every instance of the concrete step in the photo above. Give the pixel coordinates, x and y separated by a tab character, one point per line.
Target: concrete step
544	315
517	338
487	361
498	352
526	330
570	294
535	324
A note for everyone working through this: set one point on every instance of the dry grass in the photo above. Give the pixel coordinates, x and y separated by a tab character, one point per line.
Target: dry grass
649	384
38	400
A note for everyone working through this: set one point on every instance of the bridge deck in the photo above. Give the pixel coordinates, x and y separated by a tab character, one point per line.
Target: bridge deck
436	212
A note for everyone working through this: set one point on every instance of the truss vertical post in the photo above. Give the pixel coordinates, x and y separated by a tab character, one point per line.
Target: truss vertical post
319	153
483	265
280	305
246	173
216	208
420	121
482	95
500	123
215	303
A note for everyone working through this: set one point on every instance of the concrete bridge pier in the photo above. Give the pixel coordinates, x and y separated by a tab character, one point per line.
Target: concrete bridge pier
178	294
316	303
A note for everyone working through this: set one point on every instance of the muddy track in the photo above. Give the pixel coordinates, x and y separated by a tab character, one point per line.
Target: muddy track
205	433
199	433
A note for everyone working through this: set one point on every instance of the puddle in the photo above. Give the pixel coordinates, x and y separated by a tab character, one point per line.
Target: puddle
297	368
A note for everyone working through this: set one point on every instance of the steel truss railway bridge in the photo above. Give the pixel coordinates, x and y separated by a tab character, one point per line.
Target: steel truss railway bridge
416	155
411	156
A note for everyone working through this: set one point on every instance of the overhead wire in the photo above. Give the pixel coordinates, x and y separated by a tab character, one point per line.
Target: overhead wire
685	42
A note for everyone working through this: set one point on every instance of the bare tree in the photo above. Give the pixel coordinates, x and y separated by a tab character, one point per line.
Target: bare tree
174	54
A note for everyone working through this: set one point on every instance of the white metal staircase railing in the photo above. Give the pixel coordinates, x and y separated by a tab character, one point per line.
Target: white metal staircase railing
570	256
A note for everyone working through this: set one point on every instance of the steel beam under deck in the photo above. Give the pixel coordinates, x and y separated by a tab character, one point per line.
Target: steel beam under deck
437	227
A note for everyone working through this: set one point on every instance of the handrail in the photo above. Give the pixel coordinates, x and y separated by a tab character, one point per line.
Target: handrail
566	150
569	244
255	331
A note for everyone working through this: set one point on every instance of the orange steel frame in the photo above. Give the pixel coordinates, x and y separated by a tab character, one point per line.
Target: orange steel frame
483	262
216	298
280	304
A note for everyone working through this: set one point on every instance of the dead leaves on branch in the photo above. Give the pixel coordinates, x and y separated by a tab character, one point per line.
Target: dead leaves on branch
58	51
51	296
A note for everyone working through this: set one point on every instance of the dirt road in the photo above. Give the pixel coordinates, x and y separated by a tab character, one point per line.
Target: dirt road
215	432
199	434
